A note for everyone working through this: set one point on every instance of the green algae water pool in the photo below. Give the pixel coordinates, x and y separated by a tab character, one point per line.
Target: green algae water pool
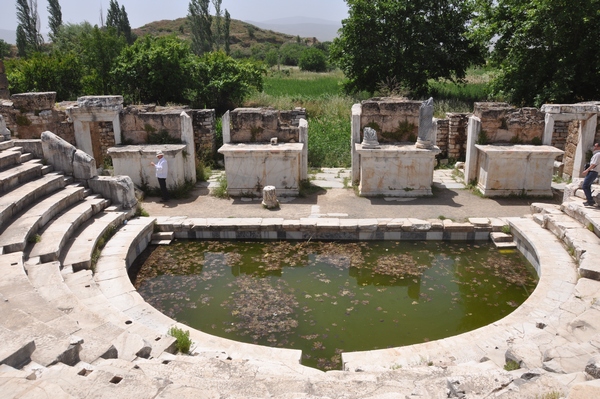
326	298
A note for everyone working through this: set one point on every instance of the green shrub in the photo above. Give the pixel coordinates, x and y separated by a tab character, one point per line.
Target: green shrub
183	343
313	59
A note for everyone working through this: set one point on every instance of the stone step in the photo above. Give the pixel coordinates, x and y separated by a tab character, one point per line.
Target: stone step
99	336
16	349
26	313
15	201
55	235
9	158
79	249
502	240
140	339
19	174
588	217
163	238
15	235
26	157
5	145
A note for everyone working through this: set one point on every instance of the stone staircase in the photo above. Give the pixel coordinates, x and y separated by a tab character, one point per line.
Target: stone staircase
72	324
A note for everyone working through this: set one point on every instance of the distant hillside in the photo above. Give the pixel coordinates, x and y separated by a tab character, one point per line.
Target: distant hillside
323	30
243	35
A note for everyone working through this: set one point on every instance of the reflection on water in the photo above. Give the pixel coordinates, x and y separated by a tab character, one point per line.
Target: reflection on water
327	298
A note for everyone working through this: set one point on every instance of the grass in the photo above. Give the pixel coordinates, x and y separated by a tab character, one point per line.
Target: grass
328	108
221	190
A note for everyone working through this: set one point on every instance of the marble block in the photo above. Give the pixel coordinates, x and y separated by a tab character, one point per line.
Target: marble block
516	169
251	167
400	170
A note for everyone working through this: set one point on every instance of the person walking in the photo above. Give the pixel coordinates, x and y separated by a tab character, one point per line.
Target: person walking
591	174
162	171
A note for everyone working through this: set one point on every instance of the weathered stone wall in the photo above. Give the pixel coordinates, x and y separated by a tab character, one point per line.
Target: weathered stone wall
204	125
27	115
502	123
560	134
106	136
394	119
139	122
457	135
443	130
260	125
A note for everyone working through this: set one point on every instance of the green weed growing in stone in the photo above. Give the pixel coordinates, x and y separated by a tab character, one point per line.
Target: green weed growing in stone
183	343
511	365
506	229
34	238
221	190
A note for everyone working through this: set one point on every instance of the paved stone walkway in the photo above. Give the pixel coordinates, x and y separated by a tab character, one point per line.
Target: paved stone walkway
337	198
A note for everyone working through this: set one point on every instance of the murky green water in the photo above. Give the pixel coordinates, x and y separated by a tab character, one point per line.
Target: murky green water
327	298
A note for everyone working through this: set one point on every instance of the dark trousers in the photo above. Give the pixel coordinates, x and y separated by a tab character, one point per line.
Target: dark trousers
587	185
163	188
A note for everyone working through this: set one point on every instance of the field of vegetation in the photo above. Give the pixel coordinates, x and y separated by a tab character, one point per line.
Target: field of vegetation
329	109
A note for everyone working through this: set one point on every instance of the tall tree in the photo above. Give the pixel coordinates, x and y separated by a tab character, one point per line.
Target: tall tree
29	38
410	41
546	50
226	32
54	17
200	23
117	18
218	31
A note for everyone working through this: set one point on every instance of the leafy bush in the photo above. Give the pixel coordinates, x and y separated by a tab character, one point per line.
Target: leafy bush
155	69
223	83
313	59
61	73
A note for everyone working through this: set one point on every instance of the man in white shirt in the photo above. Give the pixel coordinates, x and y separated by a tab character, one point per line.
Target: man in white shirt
591	174
162	171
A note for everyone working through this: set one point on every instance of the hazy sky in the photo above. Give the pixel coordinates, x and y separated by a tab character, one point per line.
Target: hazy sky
141	12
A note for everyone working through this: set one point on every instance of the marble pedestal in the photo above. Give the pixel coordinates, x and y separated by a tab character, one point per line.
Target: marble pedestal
516	169
250	167
400	170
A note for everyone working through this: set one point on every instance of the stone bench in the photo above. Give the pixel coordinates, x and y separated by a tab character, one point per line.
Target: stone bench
18	199
56	233
20	174
15	236
9	158
81	247
25	313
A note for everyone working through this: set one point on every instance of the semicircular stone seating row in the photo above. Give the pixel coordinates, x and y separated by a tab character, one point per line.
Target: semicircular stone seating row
72	327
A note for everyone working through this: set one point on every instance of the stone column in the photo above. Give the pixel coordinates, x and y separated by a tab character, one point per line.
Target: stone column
226	127
355	139
303	138
473	130
426	127
187	138
548	129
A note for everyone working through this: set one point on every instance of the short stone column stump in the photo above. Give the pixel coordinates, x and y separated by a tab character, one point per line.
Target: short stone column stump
270	197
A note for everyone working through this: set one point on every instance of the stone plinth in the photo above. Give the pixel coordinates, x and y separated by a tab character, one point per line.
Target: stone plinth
396	170
250	167
134	161
516	169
